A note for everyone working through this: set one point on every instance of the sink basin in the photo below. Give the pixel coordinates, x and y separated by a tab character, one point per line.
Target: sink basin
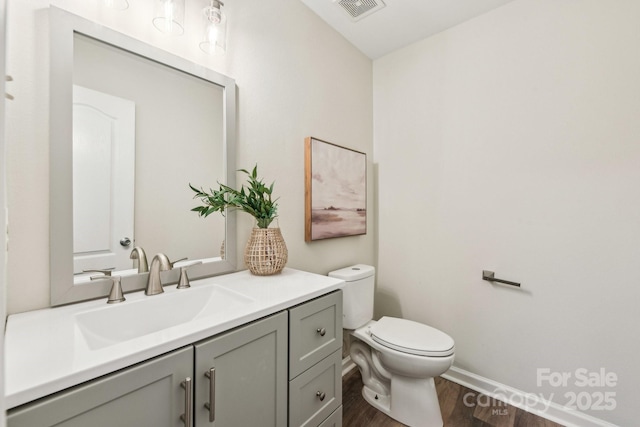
113	324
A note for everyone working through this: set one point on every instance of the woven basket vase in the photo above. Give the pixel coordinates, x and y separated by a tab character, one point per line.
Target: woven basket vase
266	252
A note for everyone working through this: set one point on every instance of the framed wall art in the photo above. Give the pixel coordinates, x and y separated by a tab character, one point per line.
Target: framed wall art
335	191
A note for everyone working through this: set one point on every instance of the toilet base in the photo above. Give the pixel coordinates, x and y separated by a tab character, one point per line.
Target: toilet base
415	402
378	401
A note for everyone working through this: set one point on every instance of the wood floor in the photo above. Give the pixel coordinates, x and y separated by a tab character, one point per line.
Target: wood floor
460	406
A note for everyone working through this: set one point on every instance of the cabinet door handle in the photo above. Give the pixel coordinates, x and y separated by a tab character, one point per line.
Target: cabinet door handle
321	395
187	417
321	331
211	405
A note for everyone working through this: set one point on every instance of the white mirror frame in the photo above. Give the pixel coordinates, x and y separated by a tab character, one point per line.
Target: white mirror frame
63	25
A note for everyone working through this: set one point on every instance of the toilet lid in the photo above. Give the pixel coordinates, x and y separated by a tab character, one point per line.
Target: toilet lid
411	337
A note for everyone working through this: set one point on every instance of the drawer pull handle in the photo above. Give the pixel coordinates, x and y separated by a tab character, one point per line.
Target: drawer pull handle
321	331
321	395
187	417
211	404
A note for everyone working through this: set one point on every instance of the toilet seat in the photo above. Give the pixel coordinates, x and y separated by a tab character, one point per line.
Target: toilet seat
411	337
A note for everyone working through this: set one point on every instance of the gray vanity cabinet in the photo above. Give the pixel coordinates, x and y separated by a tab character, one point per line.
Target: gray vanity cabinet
148	394
241	376
281	370
315	362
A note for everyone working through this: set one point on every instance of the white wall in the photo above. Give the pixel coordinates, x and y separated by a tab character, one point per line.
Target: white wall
510	143
296	78
3	207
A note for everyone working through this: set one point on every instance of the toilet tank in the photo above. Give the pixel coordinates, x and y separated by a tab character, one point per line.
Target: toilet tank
357	294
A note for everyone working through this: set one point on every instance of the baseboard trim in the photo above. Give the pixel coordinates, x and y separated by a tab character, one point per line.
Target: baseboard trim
545	409
347	365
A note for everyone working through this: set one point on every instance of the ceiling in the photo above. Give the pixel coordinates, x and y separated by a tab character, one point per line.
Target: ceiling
400	22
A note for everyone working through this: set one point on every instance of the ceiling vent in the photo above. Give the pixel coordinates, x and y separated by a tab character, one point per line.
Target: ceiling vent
358	9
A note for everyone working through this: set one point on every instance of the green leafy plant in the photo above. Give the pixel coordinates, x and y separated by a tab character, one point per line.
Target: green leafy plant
255	199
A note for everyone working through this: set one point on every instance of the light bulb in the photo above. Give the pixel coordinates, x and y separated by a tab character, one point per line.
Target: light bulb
213	14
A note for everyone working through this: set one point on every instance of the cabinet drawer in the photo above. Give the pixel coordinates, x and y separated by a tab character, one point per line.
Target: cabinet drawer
316	393
334	420
315	331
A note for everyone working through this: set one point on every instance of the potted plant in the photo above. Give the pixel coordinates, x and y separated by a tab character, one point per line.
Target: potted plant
266	252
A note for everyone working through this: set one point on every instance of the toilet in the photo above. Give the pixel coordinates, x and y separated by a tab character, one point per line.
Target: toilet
397	358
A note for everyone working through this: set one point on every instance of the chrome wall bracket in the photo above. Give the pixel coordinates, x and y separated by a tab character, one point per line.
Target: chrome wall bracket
490	276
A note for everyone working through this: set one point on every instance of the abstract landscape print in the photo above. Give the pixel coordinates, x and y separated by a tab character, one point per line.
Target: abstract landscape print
335	191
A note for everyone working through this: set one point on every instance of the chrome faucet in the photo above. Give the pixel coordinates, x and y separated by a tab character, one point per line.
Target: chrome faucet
159	263
139	254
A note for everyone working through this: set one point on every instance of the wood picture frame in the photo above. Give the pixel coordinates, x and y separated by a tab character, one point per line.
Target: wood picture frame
335	191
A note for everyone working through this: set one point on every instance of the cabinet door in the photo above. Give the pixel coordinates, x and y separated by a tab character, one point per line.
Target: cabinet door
146	395
241	376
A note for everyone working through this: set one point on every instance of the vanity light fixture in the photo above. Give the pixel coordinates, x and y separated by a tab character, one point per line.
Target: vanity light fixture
169	16
116	4
214	39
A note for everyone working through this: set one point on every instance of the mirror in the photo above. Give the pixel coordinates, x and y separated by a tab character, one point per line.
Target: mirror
131	126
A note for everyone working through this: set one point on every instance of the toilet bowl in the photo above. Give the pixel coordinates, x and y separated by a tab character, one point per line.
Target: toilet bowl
397	358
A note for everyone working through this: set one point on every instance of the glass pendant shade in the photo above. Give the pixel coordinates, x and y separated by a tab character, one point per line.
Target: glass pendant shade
170	16
214	39
116	4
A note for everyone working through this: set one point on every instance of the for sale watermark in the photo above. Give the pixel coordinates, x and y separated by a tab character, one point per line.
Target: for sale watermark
596	387
590	390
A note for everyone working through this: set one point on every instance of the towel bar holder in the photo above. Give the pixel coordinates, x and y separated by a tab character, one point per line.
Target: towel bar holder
489	276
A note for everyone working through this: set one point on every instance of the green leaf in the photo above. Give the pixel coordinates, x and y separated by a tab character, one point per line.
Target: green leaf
254	199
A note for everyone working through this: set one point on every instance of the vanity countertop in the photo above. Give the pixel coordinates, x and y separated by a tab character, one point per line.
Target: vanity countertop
45	351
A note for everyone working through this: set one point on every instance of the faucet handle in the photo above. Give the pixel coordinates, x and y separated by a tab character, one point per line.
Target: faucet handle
171	263
183	283
105	272
115	294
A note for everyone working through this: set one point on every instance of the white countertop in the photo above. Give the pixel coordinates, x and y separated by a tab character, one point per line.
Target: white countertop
45	352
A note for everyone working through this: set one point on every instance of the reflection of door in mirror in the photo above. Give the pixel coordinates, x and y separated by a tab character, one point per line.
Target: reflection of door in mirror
185	132
103	180
178	140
